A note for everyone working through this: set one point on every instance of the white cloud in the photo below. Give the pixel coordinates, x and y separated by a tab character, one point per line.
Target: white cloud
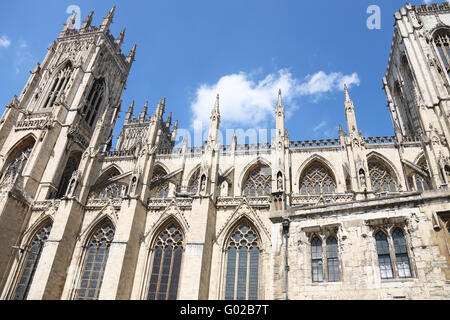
250	103
4	42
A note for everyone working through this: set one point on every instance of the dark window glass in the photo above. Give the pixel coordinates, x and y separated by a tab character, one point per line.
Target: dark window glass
317	263
316	180
384	257
33	255
95	263
166	269
259	182
401	254
332	260
243	262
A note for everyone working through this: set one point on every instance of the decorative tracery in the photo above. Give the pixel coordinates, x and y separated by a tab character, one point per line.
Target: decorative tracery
33	251
442	41
242	273
316	180
159	186
259	182
16	165
422	183
59	85
381	178
167	256
194	182
93	102
95	262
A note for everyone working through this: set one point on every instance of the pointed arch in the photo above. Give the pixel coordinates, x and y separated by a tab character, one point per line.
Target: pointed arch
94	101
320	159
316	176
259	161
242	248
17	158
95	257
61	76
382	173
193	184
104	188
166	255
33	249
72	163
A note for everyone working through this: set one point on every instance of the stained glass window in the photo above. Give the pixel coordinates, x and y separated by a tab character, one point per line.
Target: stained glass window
33	254
167	256
332	259
259	182
317	180
242	274
381	178
384	258
401	254
317	263
95	262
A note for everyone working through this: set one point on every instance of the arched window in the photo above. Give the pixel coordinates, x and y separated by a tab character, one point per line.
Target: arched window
16	163
242	256
384	257
59	85
159	186
104	190
422	183
194	182
442	40
401	254
71	167
381	178
332	259
167	256
316	260
33	254
259	182
316	180
93	102
95	262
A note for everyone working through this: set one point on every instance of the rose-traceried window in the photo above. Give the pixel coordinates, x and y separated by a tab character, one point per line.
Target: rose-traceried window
258	183
316	180
95	262
159	186
242	264
33	254
166	267
381	178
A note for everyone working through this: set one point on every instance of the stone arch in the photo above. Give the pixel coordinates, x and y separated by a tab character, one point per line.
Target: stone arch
98	221
195	171
37	225
27	142
309	162
259	161
112	169
377	157
159	227
234	223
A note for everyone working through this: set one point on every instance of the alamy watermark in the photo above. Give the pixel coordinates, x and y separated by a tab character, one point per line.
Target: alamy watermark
374	20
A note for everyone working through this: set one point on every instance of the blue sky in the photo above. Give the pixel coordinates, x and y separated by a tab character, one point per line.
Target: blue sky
244	50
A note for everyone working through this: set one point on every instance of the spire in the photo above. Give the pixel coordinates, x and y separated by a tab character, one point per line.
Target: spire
341	131
234	142
144	112
130	112
169	120
280	99
347	95
109	18
131	55
88	21
120	38
175	131
216	110
163	107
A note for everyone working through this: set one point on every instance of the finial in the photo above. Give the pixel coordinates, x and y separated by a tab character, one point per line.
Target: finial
131	55
109	18
88	21
121	38
130	111
347	95
280	99
169	119
144	111
341	131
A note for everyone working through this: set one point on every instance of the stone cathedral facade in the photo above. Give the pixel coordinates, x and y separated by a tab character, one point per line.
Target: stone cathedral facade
353	218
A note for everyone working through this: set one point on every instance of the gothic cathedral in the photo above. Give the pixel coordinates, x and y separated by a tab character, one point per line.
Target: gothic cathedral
356	217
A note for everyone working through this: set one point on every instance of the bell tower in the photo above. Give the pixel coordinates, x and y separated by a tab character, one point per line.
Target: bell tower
64	118
417	84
